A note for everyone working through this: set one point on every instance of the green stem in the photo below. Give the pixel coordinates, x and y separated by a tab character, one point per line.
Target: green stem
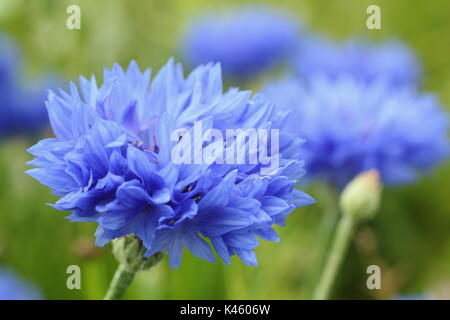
336	255
120	282
325	230
129	251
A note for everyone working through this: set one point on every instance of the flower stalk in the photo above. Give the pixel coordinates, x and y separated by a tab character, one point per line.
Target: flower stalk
129	251
358	202
339	247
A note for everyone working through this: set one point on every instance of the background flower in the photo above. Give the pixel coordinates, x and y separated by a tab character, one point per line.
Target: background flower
14	288
22	109
111	163
361	59
351	126
246	41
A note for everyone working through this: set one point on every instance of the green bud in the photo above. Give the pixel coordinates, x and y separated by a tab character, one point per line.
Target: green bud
361	197
129	251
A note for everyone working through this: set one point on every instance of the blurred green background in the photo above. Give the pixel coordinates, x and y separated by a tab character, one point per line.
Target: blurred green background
409	239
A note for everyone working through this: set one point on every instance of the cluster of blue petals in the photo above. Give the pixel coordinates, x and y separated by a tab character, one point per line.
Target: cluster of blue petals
245	42
392	61
110	163
22	109
351	126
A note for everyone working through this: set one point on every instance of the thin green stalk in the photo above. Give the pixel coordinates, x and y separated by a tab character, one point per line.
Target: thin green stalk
336	255
120	282
324	233
326	225
358	202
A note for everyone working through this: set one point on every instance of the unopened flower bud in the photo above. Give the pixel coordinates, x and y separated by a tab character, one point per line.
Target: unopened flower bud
361	197
129	251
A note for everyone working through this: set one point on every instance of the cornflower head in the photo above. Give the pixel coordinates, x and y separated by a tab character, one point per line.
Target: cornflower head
111	163
22	109
246	42
351	126
391	60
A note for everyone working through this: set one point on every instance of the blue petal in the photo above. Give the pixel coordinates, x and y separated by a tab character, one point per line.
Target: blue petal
247	256
221	248
218	197
197	246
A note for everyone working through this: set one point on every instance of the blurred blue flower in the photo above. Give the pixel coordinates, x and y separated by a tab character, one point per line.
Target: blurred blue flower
352	126
392	60
246	41
111	163
414	297
22	109
14	288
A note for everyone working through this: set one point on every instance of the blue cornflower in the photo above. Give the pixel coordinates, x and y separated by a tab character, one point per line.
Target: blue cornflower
351	126
392	60
14	288
422	296
22	109
111	163
246	41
